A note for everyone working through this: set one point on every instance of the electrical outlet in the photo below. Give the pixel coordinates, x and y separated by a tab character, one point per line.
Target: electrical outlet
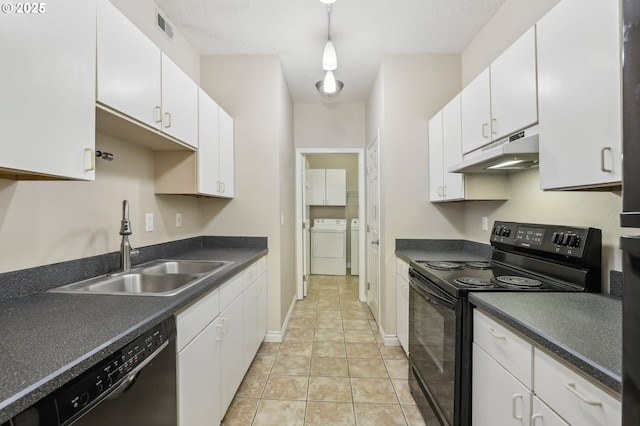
149	222
485	223
178	220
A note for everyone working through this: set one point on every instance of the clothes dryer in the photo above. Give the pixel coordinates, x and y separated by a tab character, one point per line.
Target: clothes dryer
329	247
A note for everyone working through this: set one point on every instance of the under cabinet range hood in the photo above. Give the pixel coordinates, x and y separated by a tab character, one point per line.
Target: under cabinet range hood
513	153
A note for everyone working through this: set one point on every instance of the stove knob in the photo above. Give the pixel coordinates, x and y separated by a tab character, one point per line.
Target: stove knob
565	239
505	232
574	241
557	237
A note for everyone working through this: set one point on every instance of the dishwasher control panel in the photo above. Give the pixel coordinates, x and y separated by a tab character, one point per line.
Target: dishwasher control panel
112	376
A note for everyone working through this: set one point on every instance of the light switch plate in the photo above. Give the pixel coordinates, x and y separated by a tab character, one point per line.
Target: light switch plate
149	222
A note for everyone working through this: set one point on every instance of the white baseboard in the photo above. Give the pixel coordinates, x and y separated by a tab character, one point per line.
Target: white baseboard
388	339
278	336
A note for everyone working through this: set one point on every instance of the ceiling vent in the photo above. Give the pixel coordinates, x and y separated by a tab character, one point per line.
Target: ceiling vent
164	25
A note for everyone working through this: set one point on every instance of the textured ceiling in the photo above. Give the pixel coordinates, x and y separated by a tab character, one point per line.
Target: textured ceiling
296	30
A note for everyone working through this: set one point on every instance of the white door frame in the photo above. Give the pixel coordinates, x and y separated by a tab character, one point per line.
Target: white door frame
300	154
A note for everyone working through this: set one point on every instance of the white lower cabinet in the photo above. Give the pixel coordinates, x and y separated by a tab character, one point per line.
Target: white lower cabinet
218	336
501	375
402	300
232	366
498	397
542	415
199	378
515	383
575	398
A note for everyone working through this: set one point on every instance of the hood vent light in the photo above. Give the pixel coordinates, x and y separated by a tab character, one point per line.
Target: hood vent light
513	153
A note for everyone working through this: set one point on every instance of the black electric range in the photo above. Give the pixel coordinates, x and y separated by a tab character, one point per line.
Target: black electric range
526	257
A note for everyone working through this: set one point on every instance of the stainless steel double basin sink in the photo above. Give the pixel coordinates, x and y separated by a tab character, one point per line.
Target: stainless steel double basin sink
155	278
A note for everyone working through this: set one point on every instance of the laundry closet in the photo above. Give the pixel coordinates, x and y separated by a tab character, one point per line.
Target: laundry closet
332	198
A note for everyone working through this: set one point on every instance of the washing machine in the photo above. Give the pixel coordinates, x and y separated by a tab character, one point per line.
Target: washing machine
355	246
329	247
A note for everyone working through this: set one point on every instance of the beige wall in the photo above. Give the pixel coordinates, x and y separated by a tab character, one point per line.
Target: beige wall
408	91
527	202
252	90
44	222
329	125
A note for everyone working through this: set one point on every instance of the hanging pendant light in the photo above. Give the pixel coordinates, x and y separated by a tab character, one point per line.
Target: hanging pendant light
329	86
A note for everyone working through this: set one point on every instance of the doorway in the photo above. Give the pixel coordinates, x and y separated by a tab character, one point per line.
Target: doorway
354	208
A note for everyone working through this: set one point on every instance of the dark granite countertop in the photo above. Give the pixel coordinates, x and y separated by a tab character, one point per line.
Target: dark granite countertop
47	339
584	329
443	250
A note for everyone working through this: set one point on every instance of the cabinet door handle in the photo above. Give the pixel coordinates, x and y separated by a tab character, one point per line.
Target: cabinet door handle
494	129
222	186
534	418
492	332
440	191
168	115
572	388
220	332
92	160
157	112
225	325
444	191
602	159
485	127
514	398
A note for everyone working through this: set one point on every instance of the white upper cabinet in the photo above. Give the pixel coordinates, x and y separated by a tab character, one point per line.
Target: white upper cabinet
179	103
138	81
503	98
129	67
579	58
47	91
476	112
210	170
226	187
514	92
445	149
208	157
327	187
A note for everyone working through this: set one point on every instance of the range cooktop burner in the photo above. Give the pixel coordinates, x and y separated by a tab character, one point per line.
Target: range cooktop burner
472	282
444	266
478	265
514	281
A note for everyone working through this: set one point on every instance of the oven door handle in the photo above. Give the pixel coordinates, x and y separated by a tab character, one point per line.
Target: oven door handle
435	297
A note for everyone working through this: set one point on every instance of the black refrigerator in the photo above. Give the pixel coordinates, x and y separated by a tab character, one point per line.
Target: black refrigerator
630	217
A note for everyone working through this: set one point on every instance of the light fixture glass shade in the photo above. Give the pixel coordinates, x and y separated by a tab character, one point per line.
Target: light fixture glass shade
323	89
329	84
329	57
328	1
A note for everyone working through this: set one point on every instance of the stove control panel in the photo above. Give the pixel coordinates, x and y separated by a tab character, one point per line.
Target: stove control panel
562	240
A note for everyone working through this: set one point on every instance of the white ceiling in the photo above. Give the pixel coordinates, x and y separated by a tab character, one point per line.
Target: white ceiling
296	30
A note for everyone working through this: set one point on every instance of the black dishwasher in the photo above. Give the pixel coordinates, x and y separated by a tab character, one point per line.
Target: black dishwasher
136	385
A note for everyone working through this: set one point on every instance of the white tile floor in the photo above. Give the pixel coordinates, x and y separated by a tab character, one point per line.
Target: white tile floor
331	368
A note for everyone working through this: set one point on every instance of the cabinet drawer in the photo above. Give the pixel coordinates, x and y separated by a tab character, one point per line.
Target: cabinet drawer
193	319
402	269
572	395
230	290
510	350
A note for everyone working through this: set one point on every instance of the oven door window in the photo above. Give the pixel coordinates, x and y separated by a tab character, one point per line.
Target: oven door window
433	330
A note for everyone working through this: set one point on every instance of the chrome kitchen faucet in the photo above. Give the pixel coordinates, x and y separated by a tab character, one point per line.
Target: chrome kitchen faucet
126	251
